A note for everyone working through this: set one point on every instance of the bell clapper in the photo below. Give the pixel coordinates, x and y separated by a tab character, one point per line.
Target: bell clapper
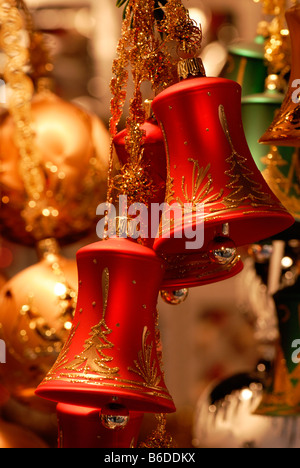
222	249
114	416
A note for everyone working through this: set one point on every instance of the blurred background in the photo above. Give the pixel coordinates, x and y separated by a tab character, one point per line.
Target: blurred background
220	331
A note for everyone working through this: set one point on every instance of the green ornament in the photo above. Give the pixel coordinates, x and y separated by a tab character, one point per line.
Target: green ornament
246	65
258	111
279	165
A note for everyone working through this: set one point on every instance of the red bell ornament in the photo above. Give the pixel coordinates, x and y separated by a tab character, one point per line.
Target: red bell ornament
110	357
80	427
154	161
210	165
285	128
154	153
185	270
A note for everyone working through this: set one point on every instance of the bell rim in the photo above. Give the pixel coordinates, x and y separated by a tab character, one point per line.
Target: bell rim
87	395
216	220
192	281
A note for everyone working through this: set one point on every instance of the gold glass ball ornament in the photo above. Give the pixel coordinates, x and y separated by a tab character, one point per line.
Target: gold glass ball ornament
73	148
36	313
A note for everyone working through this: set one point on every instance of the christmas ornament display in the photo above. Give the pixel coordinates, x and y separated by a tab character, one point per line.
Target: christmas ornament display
135	180
36	313
210	165
72	147
106	361
246	66
80	427
284	130
282	395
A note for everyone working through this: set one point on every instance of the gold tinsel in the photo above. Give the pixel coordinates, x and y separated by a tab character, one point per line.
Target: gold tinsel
159	438
144	48
179	27
22	90
141	49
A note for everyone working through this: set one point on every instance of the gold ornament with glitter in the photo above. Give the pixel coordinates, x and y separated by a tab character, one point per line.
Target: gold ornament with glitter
52	178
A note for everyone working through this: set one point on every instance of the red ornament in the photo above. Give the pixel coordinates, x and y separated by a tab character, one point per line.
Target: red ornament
110	357
182	270
209	163
80	427
154	156
192	270
154	161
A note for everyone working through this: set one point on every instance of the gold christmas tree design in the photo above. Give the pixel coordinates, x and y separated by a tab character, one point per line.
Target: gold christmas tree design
92	358
244	189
